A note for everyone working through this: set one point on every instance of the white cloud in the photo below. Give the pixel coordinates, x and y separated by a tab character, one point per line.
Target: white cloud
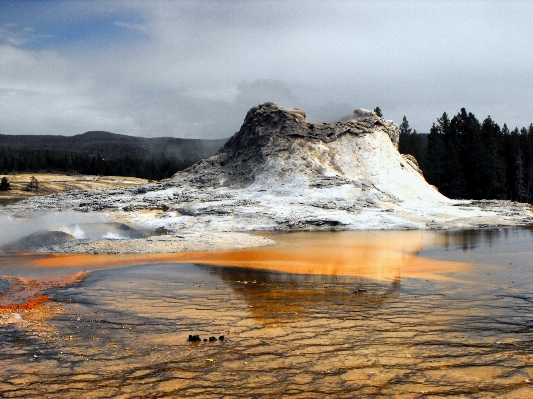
196	67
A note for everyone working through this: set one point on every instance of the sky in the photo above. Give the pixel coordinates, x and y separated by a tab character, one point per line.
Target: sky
193	69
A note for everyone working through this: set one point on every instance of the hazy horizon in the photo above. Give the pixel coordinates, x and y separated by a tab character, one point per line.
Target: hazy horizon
120	134
192	69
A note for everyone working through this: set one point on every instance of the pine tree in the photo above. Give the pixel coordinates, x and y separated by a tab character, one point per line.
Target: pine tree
454	185
405	134
444	168
468	146
33	185
4	184
526	141
493	166
435	157
411	143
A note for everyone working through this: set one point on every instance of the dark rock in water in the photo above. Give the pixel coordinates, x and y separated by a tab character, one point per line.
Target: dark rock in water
194	338
212	339
39	240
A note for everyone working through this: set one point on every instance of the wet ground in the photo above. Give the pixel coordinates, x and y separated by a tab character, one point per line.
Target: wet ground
290	328
10	200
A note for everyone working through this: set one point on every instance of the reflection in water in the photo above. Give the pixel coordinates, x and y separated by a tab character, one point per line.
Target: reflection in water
279	297
471	239
123	332
506	255
381	255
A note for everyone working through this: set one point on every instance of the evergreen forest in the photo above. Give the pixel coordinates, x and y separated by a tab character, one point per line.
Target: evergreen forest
34	160
103	153
468	159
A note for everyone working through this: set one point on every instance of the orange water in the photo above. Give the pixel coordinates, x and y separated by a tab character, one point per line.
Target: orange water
378	254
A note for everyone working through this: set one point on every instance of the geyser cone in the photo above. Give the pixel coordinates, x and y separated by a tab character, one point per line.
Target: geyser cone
277	147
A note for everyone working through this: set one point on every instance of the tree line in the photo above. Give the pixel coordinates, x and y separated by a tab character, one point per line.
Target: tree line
45	160
468	159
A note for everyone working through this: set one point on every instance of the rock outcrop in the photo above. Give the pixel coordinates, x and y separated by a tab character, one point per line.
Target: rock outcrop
272	133
39	240
352	164
281	172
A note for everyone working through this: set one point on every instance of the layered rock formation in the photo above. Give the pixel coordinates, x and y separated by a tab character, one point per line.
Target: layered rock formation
277	148
281	172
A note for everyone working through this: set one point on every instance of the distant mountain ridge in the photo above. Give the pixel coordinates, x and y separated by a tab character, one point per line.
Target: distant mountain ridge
114	145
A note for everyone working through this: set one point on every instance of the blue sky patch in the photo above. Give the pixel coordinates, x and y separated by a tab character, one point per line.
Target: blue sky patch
40	25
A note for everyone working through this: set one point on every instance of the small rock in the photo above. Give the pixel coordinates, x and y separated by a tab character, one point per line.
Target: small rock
194	338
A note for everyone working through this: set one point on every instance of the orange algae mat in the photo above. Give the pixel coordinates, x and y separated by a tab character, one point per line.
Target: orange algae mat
376	255
372	254
30	304
24	293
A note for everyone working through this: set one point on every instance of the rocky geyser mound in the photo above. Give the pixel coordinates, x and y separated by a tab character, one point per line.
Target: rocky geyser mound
282	172
277	148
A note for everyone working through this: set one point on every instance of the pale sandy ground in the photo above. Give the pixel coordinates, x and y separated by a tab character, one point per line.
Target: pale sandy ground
52	183
170	243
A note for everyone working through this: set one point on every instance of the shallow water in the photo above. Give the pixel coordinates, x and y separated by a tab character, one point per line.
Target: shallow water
457	330
10	200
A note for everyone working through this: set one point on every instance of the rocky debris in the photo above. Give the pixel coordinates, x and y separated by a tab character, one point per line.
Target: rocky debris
40	240
281	172
196	338
169	243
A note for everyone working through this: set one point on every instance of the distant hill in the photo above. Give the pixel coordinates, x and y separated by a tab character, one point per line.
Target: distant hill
98	152
116	145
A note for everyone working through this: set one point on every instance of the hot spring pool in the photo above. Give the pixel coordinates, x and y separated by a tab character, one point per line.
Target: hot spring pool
371	323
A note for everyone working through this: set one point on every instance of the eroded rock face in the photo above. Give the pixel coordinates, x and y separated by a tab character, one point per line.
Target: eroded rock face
270	131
